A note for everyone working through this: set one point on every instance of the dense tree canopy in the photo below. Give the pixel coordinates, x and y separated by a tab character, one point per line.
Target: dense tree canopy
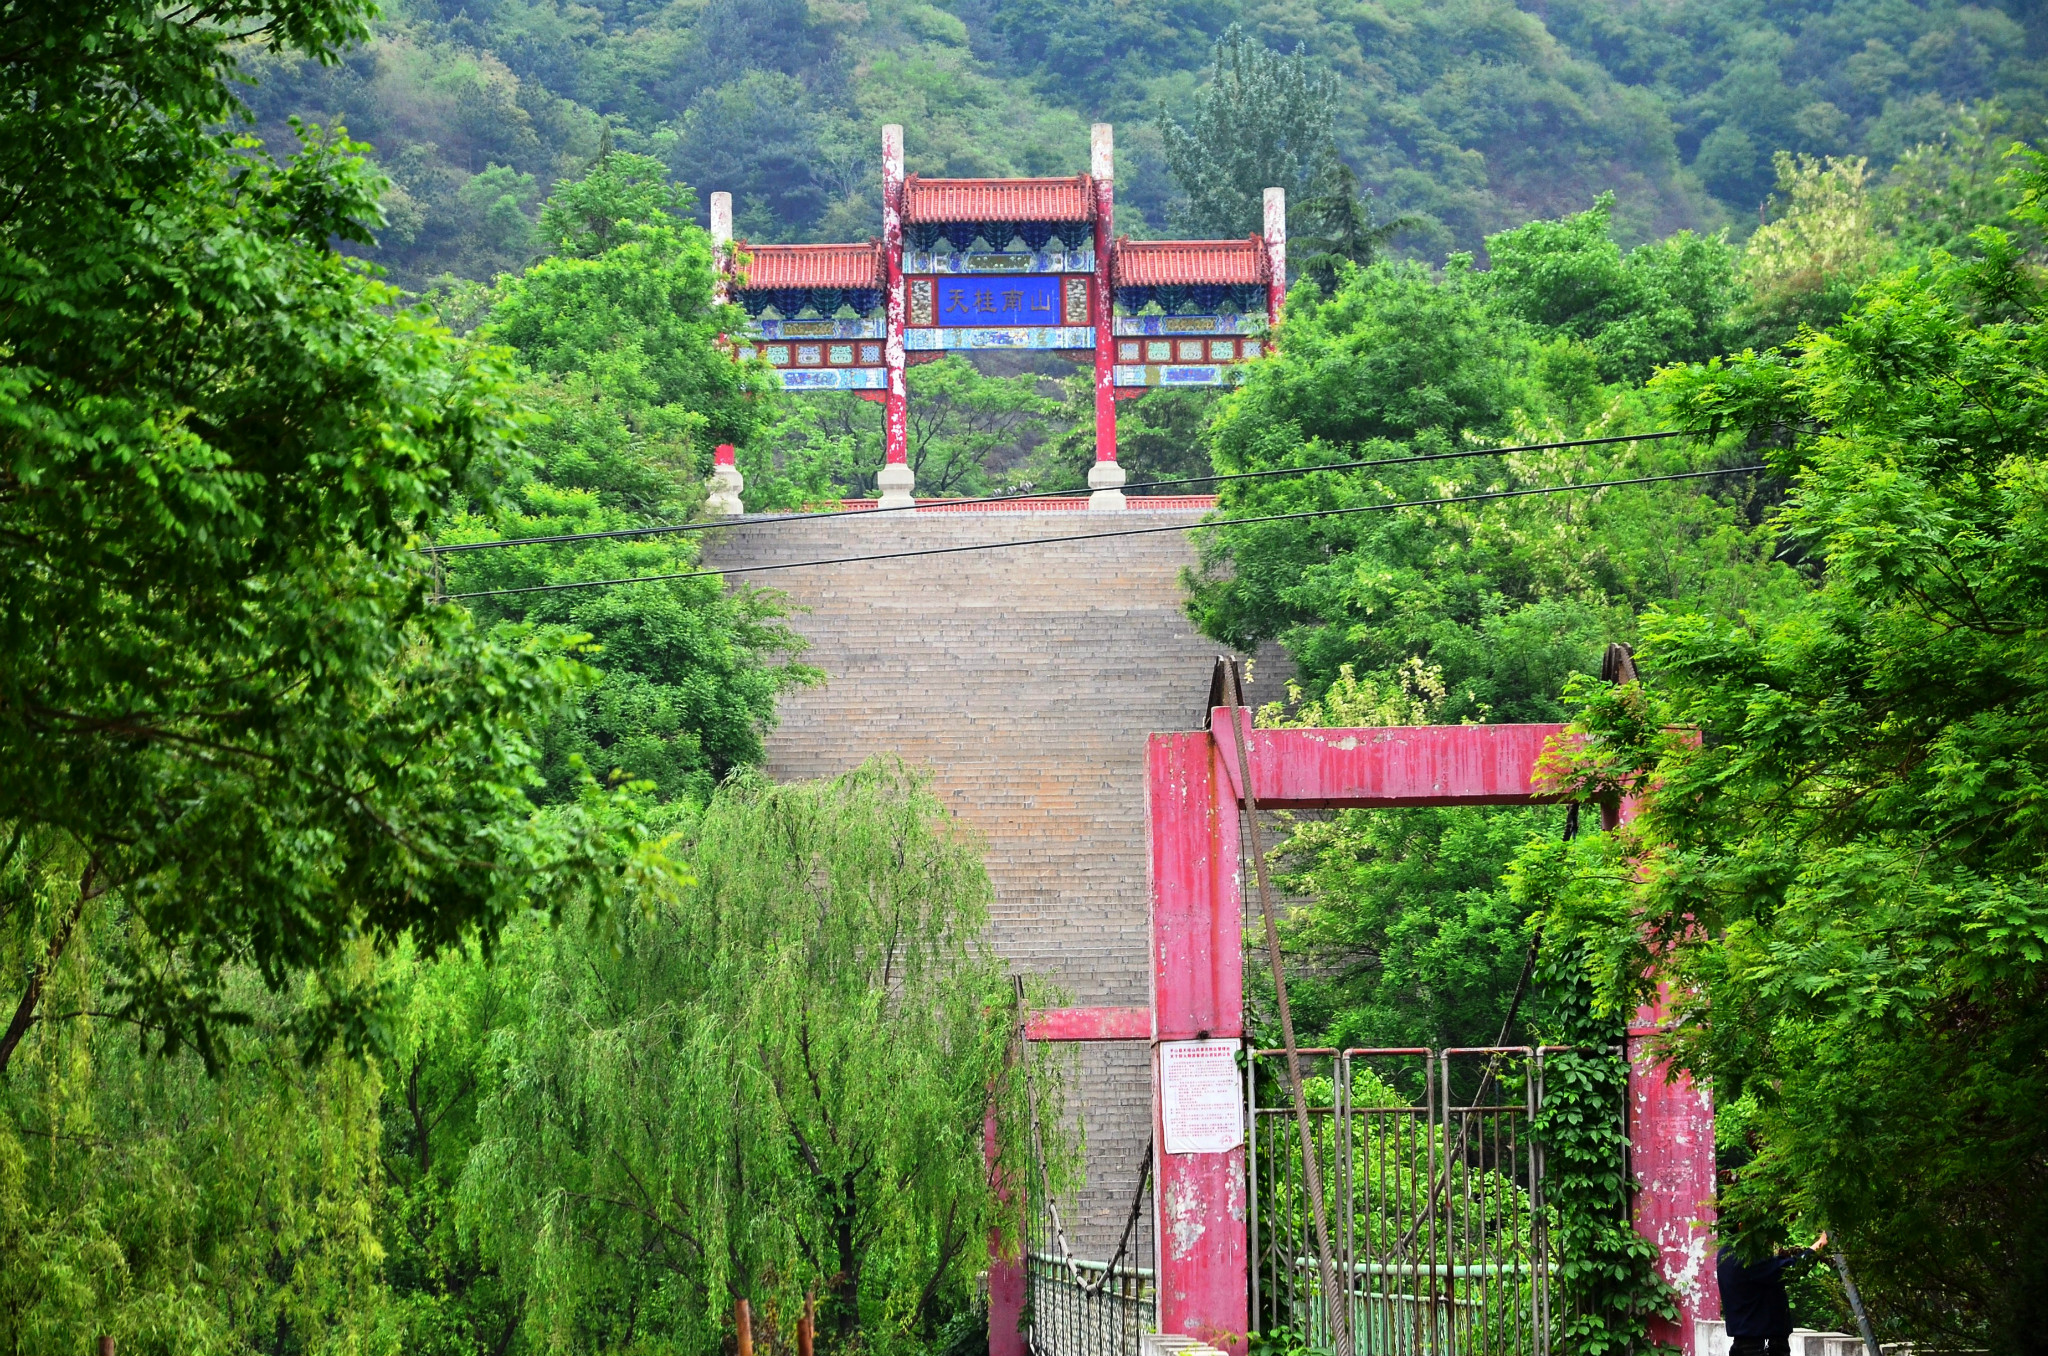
268	770
1839	858
1669	301
221	441
1263	121
1505	599
772	1082
627	391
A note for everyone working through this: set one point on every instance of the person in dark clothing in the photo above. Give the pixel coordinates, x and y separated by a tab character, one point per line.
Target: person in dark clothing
1753	1301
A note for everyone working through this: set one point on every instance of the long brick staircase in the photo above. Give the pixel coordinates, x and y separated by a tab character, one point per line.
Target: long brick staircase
1026	679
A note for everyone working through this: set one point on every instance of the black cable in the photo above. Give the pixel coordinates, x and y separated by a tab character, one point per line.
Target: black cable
668	528
1124	532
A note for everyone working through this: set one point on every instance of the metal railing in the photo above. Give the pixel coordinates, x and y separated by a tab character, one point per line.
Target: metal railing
1105	1313
1074	1307
1434	1189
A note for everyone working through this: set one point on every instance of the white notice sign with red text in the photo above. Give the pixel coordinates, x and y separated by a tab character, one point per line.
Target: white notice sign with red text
1200	1096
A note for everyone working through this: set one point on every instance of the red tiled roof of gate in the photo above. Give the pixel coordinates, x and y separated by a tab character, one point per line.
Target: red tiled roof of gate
999	199
1151	263
814	265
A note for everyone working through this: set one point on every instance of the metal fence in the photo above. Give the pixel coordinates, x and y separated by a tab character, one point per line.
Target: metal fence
1102	1312
1433	1183
1075	1307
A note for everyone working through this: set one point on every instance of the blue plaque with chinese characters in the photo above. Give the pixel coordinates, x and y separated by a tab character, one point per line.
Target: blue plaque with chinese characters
988	301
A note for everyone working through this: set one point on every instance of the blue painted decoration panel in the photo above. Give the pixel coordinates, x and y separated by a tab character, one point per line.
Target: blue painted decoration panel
1190	324
1014	336
766	328
980	302
1045	261
835	379
1219	374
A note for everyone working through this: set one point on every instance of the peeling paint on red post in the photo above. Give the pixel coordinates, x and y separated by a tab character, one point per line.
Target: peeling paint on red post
1197	993
1671	1156
1671	1153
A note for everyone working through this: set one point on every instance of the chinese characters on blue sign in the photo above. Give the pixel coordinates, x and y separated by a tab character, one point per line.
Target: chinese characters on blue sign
999	301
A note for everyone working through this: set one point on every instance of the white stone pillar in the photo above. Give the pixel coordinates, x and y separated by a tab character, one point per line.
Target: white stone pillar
725	483
1276	253
1105	477
721	248
896	479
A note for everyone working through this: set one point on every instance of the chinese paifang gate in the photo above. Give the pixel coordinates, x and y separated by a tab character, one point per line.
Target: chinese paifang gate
965	264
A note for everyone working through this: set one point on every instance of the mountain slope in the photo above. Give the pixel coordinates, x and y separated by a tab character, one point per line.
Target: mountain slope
1464	115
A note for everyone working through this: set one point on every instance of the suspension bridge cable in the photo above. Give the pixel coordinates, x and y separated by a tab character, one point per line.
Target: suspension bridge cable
1050	1199
667	529
1338	1315
1121	532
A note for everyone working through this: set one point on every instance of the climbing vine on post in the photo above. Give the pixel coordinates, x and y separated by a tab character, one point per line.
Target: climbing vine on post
1607	1287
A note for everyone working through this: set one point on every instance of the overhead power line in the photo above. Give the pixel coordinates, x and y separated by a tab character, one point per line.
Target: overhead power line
667	529
1120	532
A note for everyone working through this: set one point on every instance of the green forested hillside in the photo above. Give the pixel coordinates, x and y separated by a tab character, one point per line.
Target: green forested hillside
1466	116
399	951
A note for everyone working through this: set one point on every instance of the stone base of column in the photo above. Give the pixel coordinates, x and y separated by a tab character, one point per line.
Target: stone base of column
725	486
895	482
1106	479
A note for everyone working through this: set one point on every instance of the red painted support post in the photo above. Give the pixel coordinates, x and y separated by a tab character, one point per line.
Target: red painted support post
1105	478
1197	995
895	480
1671	1153
1005	1275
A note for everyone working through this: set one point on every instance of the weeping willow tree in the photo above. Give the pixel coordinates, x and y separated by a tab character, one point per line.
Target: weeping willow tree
767	1081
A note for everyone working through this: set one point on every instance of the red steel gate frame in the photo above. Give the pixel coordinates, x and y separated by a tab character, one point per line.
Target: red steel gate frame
1194	796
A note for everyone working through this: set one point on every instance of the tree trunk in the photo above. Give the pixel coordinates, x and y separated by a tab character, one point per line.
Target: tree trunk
421	1128
843	1290
25	1011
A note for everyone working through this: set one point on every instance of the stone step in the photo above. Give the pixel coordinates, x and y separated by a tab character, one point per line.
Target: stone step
1027	679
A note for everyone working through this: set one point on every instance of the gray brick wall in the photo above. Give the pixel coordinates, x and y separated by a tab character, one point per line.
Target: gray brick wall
1026	679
